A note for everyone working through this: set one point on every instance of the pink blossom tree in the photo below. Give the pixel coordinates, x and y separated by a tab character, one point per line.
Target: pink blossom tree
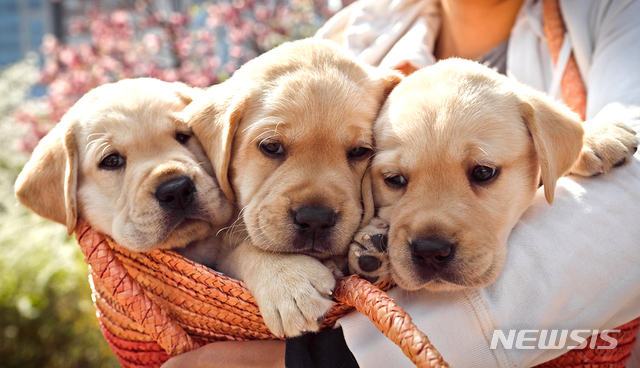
200	45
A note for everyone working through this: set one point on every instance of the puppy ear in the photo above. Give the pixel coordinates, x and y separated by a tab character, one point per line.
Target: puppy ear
215	121
47	183
368	206
230	122
185	93
390	79
557	137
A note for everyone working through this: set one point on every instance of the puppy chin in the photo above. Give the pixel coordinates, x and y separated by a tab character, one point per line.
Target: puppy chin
277	234
128	236
490	274
403	282
411	285
457	282
186	232
178	235
435	285
319	248
293	242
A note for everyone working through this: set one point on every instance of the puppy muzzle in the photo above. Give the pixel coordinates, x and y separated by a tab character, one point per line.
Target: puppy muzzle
178	199
314	228
432	258
177	194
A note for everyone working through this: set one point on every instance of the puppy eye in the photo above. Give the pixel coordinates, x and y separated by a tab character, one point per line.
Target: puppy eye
272	148
359	153
112	162
483	173
182	138
396	181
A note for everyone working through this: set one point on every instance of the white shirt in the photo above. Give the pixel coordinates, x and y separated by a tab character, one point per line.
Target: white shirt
604	36
572	265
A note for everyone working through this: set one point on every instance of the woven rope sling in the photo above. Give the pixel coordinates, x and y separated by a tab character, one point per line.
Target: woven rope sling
154	305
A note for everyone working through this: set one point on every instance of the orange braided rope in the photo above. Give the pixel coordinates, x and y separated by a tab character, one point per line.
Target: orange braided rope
128	293
390	319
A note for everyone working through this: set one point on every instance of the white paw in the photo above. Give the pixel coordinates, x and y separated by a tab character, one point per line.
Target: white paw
293	295
606	146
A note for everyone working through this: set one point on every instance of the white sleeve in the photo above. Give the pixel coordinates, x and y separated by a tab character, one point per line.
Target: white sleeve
614	76
386	33
605	36
572	265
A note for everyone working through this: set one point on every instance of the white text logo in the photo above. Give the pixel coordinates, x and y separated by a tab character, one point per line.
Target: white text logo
552	339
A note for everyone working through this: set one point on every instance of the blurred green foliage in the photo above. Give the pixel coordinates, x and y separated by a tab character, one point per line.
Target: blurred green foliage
47	318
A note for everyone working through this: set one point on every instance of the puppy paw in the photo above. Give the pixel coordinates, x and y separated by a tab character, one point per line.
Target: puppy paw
295	296
337	265
368	253
606	146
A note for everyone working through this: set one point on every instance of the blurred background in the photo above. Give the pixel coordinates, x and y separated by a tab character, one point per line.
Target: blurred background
51	53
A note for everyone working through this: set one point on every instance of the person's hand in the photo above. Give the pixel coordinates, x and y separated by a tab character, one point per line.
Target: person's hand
232	354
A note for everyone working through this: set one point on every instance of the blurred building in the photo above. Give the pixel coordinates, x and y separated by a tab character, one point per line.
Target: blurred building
22	25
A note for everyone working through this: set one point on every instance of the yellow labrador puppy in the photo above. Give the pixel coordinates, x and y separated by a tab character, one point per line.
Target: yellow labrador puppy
124	160
298	138
461	151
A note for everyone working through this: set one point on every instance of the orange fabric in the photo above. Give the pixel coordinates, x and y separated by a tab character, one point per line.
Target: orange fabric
600	358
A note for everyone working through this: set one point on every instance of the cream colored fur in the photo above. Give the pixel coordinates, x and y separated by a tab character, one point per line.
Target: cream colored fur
442	122
319	104
139	120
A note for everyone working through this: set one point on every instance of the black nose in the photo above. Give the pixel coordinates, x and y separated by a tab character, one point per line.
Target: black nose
312	219
432	252
176	193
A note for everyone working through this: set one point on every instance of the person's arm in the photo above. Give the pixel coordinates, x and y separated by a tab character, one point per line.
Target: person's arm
232	354
326	349
613	77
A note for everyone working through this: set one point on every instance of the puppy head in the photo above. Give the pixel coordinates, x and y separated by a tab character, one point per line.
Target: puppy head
461	151
302	116
123	159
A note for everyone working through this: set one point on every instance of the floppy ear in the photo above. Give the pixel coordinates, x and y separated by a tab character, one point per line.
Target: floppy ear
215	124
230	123
185	93
390	79
368	207
47	183
557	137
